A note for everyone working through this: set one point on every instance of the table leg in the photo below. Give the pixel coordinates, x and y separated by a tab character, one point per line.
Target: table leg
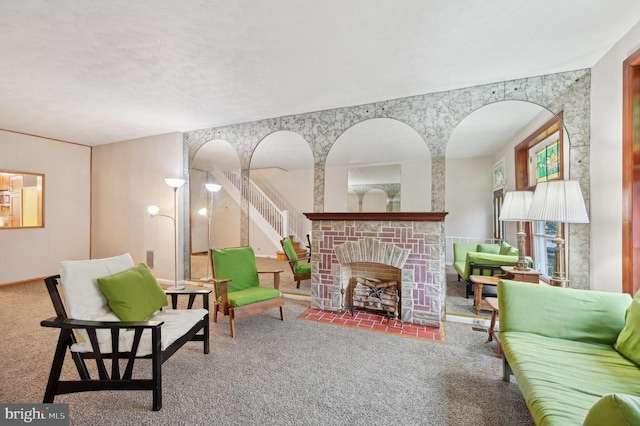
477	296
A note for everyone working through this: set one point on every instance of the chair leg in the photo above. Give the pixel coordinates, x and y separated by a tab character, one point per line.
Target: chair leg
215	312
282	313
56	366
231	325
298	284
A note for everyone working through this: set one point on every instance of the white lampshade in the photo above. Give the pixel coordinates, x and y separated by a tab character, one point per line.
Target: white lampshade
213	187
174	183
153	210
516	205
558	201
203	211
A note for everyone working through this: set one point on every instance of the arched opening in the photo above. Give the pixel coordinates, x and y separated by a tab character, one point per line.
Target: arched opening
281	189
480	168
216	162
367	155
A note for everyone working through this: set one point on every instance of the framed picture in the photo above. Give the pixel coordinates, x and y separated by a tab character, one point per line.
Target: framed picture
498	175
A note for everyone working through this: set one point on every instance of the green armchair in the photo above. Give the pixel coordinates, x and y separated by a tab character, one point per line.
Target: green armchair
237	286
301	271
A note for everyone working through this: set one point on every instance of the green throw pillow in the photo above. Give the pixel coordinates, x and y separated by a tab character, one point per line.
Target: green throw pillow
134	294
628	343
614	410
505	247
489	248
512	251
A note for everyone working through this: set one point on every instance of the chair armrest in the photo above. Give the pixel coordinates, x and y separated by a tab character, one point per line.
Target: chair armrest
222	285
192	295
276	276
69	323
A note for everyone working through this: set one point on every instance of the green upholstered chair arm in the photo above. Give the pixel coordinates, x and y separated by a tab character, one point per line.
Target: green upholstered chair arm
487	259
564	313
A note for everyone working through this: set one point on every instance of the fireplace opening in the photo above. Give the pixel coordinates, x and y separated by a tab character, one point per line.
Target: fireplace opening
373	287
376	295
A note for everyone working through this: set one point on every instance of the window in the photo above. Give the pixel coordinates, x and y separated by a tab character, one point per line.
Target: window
539	159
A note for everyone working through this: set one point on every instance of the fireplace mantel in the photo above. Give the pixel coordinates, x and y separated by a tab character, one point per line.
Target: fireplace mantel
395	216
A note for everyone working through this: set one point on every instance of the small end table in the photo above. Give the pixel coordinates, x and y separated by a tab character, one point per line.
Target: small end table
479	282
530	275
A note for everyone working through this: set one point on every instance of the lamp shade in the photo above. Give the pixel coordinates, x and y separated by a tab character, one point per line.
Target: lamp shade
153	210
558	201
174	183
516	205
212	187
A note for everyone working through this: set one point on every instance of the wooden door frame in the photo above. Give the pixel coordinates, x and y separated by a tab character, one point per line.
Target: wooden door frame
630	159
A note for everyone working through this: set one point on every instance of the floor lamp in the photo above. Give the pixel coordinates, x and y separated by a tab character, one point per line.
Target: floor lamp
515	207
153	211
558	201
211	187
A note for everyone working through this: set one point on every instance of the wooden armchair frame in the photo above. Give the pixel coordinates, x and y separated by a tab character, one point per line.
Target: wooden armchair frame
116	380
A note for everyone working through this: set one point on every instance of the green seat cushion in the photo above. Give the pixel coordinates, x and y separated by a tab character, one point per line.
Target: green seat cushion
628	342
251	295
614	410
562	379
238	265
134	294
302	268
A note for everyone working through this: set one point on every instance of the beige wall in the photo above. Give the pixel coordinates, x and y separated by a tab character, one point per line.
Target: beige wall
606	164
127	177
468	197
34	253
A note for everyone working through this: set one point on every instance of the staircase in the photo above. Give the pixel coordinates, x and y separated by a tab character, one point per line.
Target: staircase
272	212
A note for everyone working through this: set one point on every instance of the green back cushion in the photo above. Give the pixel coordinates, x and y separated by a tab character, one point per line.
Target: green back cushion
584	315
489	248
460	250
628	342
614	410
238	265
288	249
134	294
512	252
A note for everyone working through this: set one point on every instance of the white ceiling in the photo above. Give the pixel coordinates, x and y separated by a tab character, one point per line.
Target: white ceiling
95	71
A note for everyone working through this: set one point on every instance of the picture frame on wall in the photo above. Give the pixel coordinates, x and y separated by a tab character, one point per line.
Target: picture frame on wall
499	180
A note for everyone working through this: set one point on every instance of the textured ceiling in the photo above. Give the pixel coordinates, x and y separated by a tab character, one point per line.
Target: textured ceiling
95	71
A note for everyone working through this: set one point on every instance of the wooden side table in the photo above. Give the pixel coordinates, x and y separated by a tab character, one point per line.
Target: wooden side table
530	276
479	282
492	302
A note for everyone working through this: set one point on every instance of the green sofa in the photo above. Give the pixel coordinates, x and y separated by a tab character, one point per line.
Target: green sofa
482	259
563	347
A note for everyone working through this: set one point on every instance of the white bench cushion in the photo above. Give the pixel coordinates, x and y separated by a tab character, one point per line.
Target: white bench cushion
176	323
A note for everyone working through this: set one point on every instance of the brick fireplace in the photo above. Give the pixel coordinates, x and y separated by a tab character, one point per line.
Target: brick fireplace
345	245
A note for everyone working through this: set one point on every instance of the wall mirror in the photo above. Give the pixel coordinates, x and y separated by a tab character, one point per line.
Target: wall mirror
374	188
21	200
384	149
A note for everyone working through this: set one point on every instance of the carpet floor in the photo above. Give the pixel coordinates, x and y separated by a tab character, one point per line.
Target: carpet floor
292	372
